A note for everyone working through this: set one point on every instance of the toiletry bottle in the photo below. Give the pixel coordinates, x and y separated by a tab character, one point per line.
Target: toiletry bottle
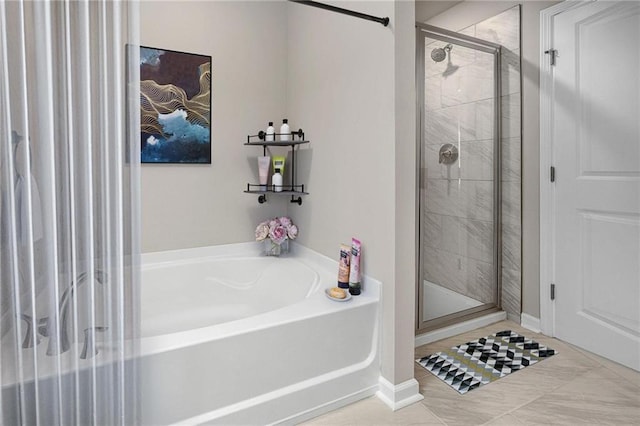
278	163
276	181
344	265
270	132
263	171
285	131
354	272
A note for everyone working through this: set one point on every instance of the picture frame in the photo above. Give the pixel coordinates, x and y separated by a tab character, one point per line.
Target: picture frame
175	106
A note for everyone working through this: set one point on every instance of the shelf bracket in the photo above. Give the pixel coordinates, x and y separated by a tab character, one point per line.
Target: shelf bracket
262	198
295	200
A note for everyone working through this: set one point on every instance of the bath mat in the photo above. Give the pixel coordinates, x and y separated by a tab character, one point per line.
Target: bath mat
476	363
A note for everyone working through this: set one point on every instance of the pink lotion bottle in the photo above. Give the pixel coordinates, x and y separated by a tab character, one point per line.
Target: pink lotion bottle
355	288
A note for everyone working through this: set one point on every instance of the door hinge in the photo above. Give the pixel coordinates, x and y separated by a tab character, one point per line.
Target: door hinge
553	54
552	174
553	291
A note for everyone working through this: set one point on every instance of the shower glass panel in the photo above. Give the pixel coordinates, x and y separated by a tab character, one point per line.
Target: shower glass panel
459	161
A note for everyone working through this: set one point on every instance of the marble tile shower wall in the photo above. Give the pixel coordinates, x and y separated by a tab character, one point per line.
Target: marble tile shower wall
458	200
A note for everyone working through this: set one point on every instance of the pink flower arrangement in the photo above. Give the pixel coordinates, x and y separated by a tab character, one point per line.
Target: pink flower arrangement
277	229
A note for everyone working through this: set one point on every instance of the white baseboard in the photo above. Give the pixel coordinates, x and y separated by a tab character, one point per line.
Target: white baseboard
530	322
399	396
463	327
513	317
328	407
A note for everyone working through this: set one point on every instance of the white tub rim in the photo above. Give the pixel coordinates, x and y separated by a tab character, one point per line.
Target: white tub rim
304	309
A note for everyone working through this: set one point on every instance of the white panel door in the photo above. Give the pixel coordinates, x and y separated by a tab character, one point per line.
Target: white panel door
596	150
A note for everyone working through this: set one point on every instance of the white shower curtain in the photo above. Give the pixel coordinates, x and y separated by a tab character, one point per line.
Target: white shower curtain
69	156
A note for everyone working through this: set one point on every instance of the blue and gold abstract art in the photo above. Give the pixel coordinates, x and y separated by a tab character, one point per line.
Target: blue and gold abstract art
175	106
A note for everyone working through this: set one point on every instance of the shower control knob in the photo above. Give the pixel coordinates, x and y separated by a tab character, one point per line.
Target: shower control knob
448	154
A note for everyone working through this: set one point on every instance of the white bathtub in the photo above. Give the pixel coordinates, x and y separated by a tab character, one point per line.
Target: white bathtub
231	337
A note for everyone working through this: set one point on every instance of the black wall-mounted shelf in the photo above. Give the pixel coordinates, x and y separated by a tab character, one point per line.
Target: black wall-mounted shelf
296	191
293	190
261	138
264	144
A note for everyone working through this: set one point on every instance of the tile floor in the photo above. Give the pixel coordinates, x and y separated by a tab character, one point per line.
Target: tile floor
574	387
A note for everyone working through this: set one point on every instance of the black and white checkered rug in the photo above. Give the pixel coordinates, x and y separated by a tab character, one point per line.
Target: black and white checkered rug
476	363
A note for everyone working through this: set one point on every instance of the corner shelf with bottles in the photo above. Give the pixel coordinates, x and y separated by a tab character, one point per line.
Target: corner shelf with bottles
296	138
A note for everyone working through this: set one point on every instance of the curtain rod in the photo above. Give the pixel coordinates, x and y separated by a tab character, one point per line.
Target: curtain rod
383	21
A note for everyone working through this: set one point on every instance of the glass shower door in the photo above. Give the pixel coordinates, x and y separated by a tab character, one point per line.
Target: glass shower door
459	217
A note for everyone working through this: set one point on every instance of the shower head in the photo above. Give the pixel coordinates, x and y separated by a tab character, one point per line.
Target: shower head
440	53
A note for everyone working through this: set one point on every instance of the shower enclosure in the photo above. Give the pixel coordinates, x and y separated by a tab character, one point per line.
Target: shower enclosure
458	83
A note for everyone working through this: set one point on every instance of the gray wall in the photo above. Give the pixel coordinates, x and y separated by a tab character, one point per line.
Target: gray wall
351	87
461	16
199	205
405	192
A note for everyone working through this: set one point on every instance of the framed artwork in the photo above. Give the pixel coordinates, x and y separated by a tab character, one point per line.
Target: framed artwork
175	106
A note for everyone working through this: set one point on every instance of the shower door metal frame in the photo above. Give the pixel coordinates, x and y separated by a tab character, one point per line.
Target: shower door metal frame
429	31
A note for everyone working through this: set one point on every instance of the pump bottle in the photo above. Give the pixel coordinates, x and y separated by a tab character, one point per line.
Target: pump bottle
285	131
276	181
270	132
